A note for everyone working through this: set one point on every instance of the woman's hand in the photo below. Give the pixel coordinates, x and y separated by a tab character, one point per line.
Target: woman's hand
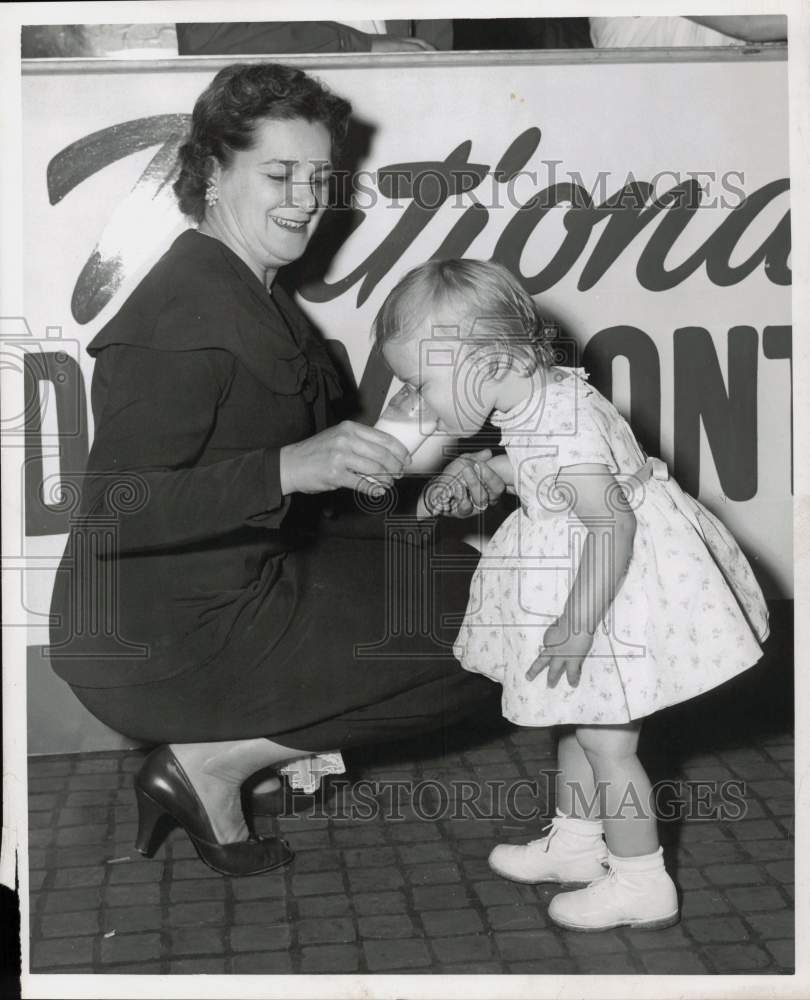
348	455
467	484
562	651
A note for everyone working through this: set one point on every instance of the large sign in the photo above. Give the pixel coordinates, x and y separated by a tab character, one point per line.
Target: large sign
645	204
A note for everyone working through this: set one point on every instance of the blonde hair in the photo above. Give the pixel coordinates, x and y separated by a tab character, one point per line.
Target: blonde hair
483	299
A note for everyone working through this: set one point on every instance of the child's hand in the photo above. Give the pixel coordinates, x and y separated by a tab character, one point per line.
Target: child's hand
467	484
562	651
501	465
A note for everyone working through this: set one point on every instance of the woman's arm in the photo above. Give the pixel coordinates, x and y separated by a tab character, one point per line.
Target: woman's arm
598	502
159	412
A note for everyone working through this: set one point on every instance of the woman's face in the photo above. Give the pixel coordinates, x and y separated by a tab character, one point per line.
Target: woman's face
272	195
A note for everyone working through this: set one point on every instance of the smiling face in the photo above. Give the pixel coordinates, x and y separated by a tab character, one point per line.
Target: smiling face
271	196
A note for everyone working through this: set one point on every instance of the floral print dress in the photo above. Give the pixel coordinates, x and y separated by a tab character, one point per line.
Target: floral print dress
687	616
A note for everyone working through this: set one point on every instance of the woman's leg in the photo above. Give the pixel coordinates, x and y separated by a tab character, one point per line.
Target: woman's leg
630	824
217	772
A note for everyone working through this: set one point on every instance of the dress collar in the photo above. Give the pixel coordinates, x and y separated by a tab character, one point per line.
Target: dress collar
282	310
214	247
269	334
528	411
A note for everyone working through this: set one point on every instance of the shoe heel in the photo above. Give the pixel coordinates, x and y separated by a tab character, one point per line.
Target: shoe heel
656	925
150	815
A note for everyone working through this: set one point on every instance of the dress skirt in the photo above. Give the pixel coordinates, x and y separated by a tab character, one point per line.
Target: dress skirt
369	658
688	615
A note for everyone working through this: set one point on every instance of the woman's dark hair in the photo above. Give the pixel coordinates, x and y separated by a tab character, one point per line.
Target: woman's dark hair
227	112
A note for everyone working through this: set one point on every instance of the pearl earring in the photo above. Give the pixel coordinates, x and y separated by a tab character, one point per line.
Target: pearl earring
211	193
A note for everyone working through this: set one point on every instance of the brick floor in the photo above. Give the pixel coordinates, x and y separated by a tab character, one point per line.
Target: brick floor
411	895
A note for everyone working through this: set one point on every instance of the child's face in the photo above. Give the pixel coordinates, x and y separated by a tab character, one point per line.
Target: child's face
440	366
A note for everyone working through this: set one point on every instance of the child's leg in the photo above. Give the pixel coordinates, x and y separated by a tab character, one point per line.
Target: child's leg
637	892
575	782
573	851
630	824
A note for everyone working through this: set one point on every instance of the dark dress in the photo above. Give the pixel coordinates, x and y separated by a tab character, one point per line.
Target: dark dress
194	602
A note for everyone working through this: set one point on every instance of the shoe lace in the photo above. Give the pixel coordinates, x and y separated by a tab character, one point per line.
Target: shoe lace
545	841
606	881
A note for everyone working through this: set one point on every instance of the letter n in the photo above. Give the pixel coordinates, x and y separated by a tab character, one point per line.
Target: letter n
729	417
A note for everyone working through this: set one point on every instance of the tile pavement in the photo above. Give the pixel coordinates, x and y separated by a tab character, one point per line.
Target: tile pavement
412	894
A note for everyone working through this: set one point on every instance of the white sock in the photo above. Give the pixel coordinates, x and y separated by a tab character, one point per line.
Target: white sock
582	827
640	863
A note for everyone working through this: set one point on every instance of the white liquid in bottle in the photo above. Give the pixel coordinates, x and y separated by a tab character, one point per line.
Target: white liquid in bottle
407	418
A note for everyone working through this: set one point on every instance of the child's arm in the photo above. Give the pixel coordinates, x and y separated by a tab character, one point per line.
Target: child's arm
599	503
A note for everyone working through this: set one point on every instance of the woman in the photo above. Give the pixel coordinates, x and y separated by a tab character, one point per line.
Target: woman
229	629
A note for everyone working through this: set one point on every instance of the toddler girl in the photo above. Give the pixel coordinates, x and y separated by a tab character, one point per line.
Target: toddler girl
609	593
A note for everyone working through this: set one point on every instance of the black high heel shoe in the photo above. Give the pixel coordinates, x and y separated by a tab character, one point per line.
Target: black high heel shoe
163	791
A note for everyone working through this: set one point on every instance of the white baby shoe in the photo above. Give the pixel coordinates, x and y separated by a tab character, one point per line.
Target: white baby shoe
572	853
636	892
